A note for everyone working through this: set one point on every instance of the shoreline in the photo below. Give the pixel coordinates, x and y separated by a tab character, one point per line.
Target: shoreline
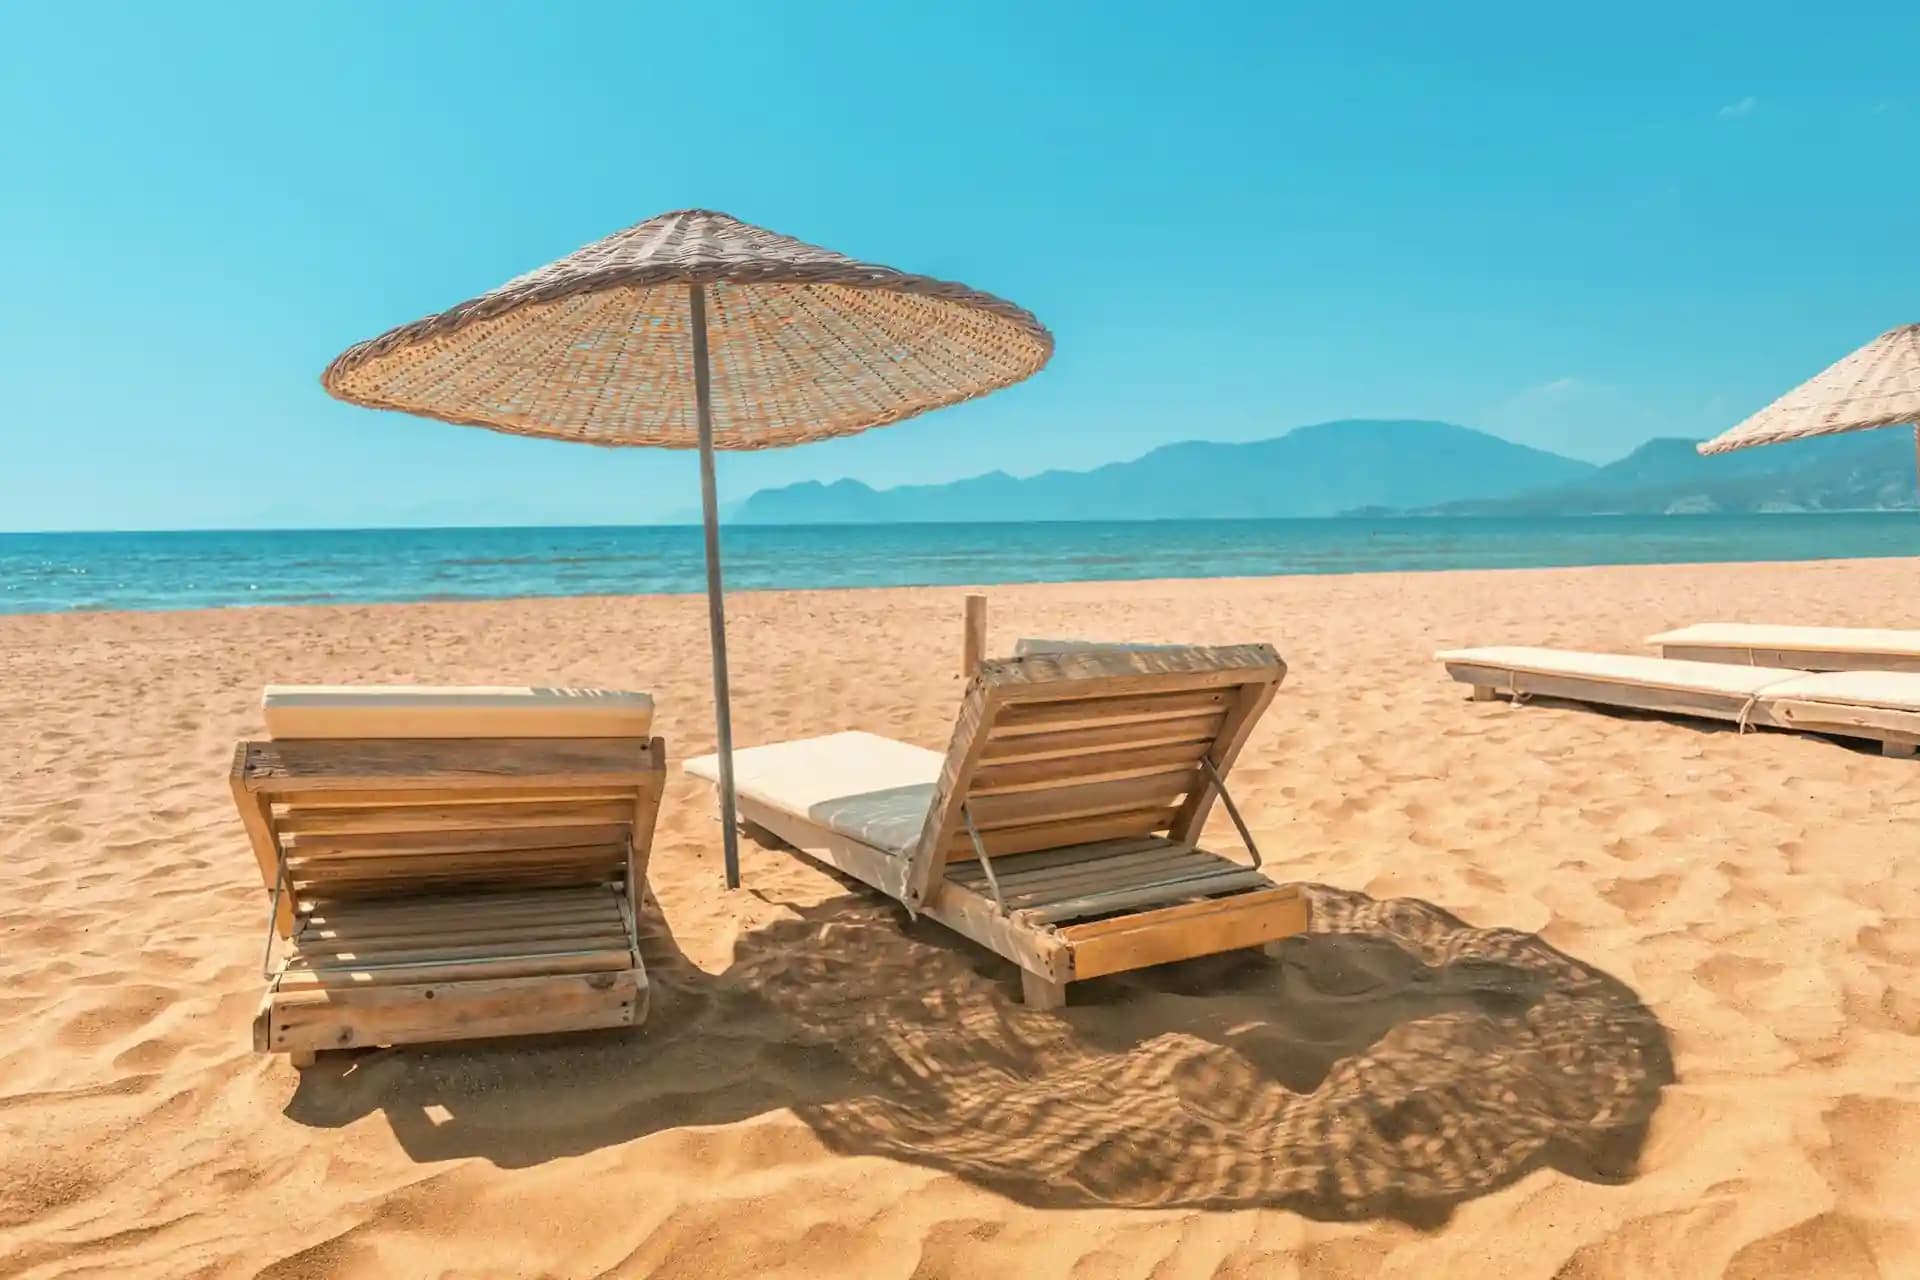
733	593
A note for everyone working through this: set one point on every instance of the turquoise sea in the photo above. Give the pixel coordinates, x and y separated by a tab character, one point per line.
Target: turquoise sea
56	572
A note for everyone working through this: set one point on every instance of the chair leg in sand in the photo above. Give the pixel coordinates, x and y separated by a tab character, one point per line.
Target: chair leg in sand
449	864
1879	706
1060	829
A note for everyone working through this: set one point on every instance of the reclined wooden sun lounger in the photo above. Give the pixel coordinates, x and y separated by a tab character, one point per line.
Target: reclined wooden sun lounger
1882	706
1803	648
449	863
1060	827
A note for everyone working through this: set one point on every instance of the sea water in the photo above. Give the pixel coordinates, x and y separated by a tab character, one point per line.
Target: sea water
65	571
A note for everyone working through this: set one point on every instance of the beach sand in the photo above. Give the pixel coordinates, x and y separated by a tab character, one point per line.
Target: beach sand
1589	995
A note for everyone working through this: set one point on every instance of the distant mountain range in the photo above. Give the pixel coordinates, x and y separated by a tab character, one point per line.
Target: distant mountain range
1861	471
1365	466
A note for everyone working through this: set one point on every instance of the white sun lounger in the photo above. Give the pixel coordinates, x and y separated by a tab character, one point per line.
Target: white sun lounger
1802	648
1059	829
1883	706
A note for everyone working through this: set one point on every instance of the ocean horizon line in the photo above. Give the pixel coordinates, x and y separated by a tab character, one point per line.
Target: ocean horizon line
734	524
102	570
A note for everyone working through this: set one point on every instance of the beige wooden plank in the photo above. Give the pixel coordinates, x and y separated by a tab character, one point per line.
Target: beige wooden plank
413	764
425	1012
257	819
355	955
360	864
1055	744
341	888
359	916
1170	915
1118	874
1055	835
1119	672
384	883
503	792
1181	886
1064	714
1181	933
605	960
1109	766
472	840
1062	804
580	899
1018	867
488	816
1013	872
323	941
473	928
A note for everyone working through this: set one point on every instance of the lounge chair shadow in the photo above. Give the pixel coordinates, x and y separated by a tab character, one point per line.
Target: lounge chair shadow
1392	1063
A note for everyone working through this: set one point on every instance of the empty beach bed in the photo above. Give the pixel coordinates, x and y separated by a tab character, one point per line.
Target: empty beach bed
1881	706
447	864
1801	648
1060	827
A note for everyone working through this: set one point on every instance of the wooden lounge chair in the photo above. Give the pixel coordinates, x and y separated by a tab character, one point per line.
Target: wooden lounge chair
448	864
1060	827
1803	648
1882	706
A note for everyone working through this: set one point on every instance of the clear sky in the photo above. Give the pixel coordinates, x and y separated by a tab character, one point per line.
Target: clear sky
1576	226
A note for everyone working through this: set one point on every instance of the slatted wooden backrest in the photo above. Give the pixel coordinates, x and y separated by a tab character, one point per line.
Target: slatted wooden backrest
375	818
1069	748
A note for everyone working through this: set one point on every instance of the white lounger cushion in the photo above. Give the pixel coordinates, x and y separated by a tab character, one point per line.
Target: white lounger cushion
865	787
417	711
1745	635
1896	689
1622	668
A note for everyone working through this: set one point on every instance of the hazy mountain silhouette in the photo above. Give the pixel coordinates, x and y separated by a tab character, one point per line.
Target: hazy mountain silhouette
1364	466
1320	470
1865	470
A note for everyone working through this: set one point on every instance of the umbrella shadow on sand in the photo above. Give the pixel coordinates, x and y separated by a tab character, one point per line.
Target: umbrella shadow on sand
1392	1063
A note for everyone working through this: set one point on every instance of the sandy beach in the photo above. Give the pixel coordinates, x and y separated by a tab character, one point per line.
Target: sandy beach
1588	995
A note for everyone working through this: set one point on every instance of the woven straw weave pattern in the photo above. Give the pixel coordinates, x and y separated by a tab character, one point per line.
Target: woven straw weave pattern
1876	386
803	343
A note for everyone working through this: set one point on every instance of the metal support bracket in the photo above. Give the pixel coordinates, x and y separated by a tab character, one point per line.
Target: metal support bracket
1233	810
273	911
986	863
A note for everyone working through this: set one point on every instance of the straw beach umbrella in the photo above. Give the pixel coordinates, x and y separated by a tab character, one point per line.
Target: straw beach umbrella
1876	386
696	330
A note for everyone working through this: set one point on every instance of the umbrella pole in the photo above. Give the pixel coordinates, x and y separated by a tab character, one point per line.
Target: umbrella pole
716	607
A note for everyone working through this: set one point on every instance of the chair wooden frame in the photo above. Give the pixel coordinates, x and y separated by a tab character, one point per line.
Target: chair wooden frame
1063	829
443	889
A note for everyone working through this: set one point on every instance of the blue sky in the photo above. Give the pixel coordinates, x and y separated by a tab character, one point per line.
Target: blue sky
1577	227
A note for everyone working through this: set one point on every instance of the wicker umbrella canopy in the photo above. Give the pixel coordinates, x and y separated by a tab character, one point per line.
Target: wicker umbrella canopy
803	343
1876	386
696	330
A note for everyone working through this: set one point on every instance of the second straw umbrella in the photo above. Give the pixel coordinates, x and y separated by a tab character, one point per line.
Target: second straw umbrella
1876	386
